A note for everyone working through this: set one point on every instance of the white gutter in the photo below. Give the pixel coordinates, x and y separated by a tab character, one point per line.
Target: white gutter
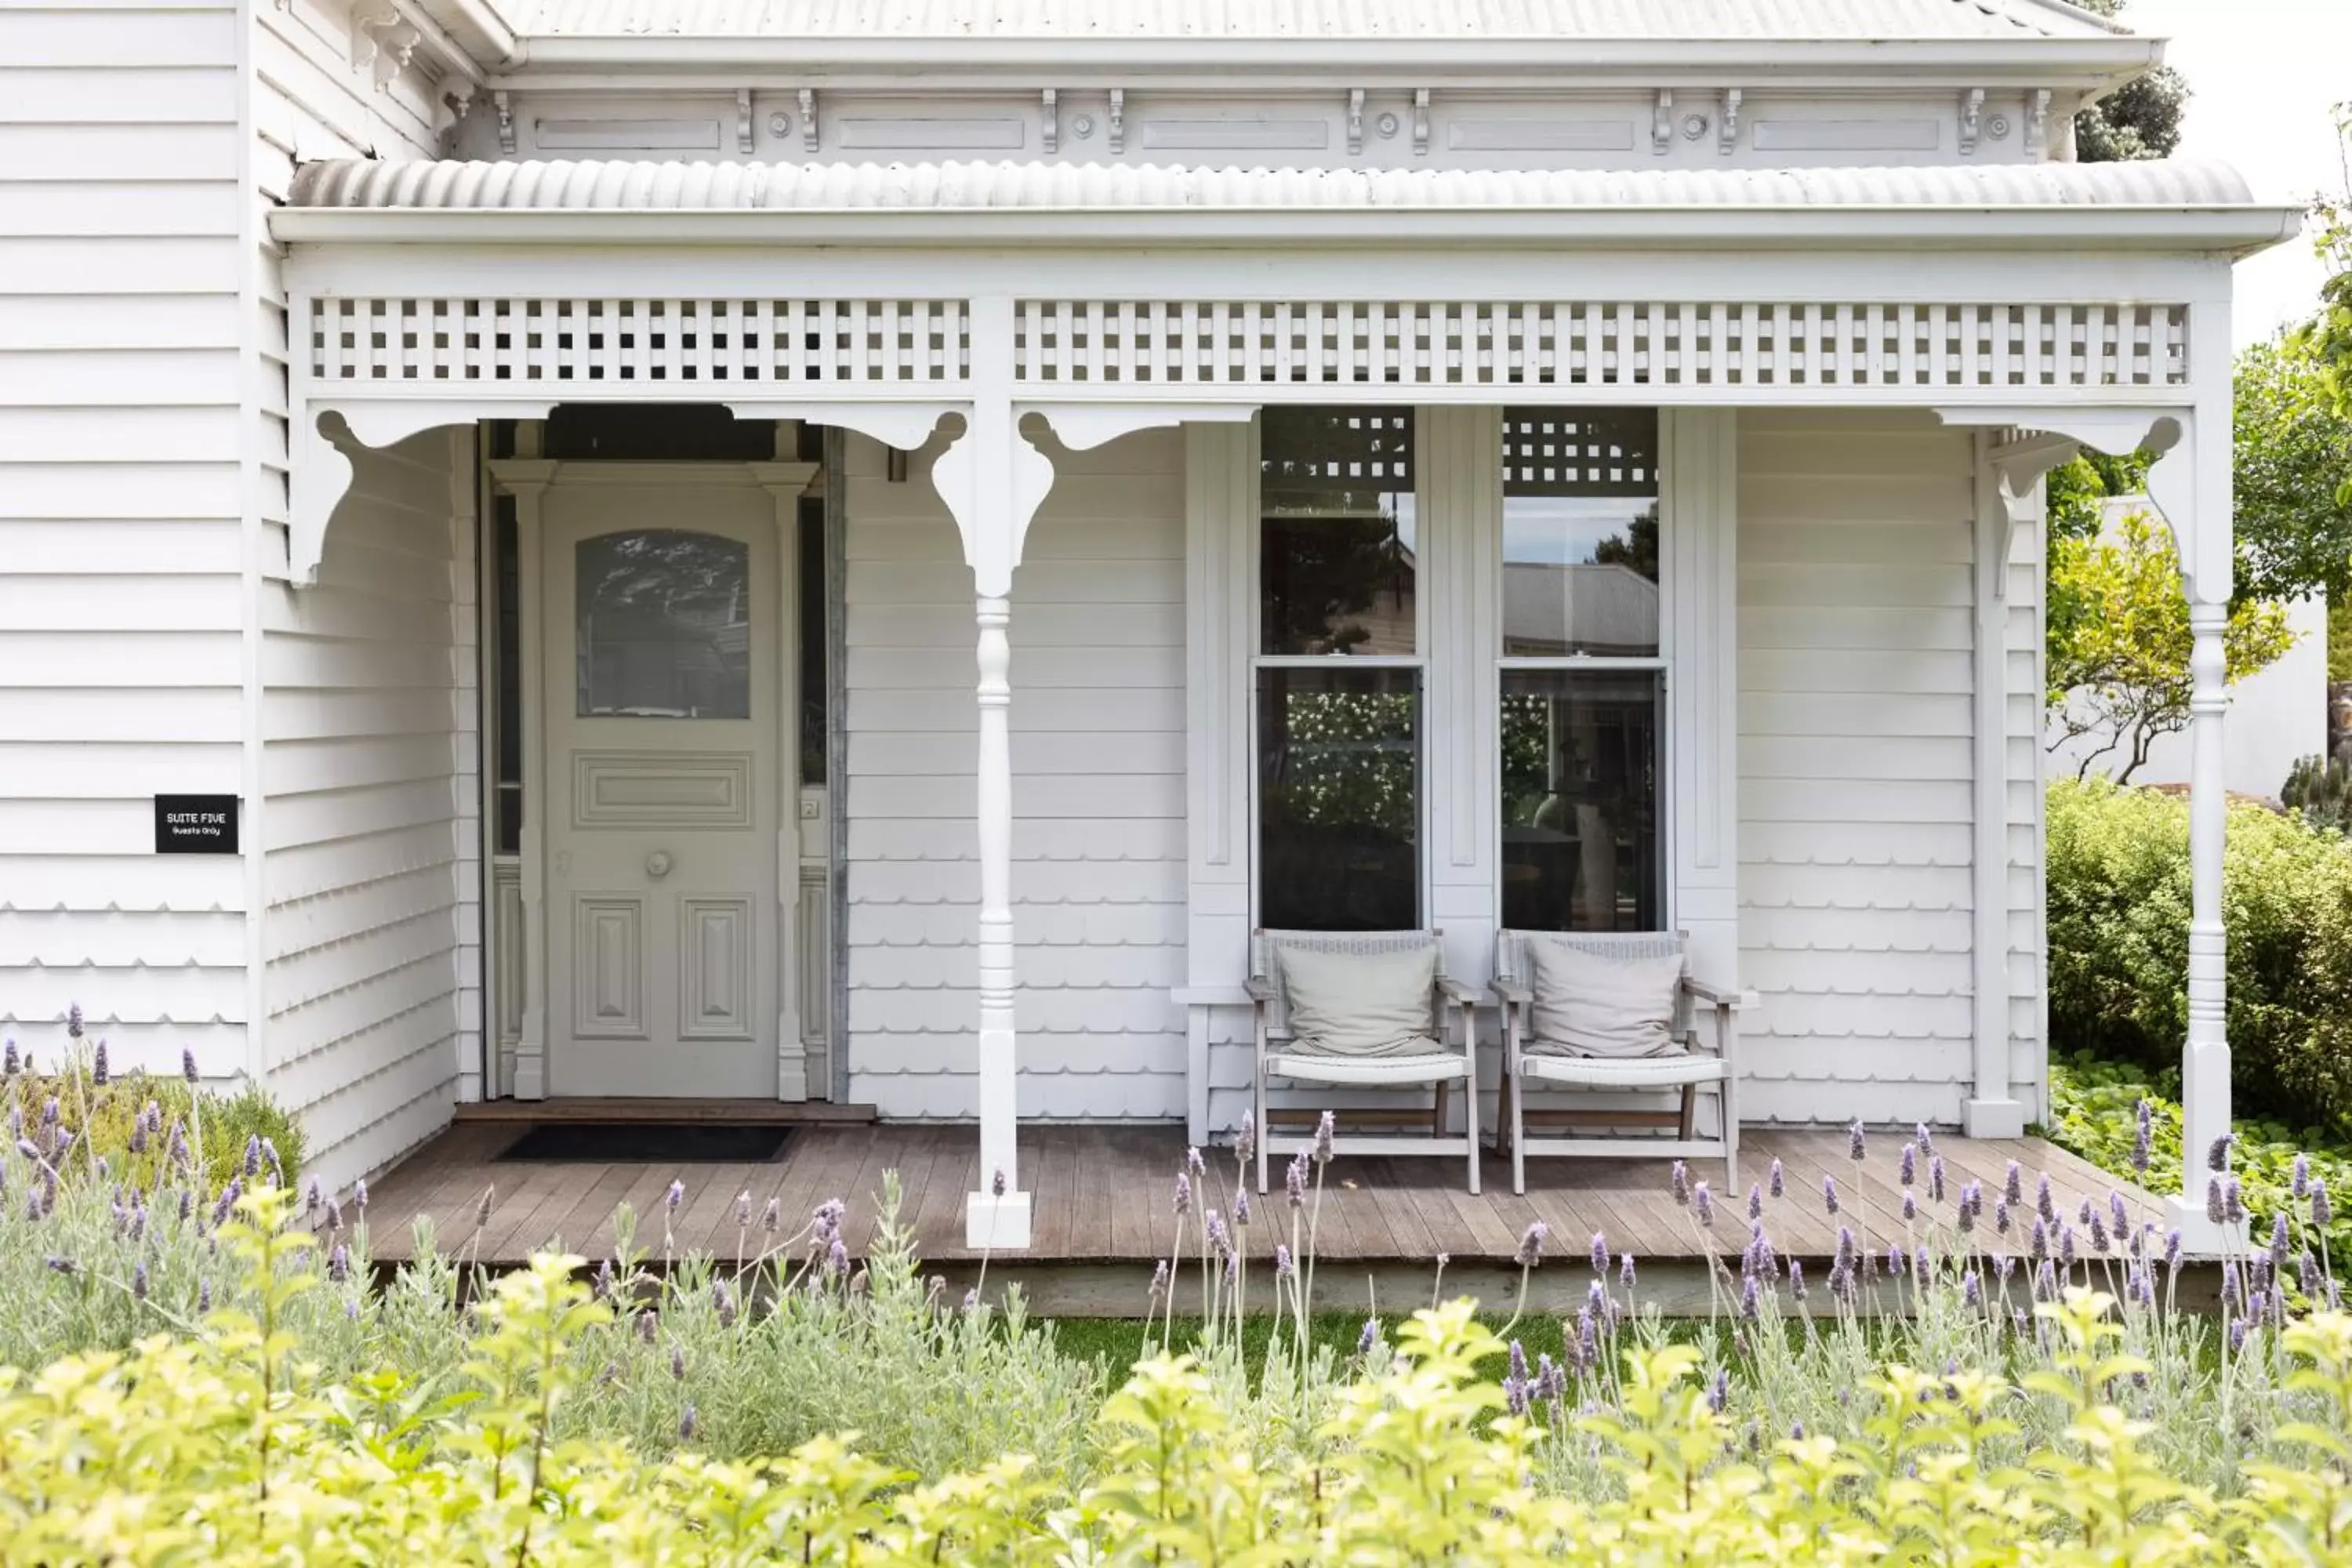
2237	231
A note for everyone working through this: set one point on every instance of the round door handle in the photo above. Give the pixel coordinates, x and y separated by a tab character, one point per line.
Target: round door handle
657	864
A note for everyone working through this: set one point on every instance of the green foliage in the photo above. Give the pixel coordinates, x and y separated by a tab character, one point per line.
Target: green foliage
2294	466
2092	1110
2339	639
224	1125
2139	120
2118	890
202	1451
2119	643
2328	335
2321	792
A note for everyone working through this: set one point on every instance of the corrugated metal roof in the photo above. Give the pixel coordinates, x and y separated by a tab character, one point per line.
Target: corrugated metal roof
620	185
1320	19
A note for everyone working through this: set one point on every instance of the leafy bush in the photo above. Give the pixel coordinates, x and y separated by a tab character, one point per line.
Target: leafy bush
222	1450
2092	1105
2118	934
137	1122
2320	790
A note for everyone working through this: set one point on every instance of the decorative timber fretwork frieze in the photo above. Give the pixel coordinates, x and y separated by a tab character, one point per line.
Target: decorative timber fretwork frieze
1278	351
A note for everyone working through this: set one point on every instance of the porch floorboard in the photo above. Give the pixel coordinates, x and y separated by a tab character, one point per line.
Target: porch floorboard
1103	1196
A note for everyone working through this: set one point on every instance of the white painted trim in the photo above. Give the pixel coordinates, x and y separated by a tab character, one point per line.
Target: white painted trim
1698	550
527	478
1992	1110
786	482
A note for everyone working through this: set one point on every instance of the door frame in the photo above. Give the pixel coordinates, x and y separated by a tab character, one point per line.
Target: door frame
516	966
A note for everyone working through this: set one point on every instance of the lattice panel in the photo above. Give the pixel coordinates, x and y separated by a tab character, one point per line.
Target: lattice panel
1587	452
470	342
1947	348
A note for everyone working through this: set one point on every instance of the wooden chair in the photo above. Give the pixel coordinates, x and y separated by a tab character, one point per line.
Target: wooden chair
1690	1066
1281	1055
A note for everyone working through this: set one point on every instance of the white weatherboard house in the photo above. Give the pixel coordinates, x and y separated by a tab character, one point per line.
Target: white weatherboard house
554	464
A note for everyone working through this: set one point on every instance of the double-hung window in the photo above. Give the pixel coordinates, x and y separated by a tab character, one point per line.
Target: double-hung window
1582	680
1337	672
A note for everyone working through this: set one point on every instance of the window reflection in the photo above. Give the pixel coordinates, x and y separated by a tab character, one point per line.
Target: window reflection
1580	774
1580	533
1337	556
664	624
1339	798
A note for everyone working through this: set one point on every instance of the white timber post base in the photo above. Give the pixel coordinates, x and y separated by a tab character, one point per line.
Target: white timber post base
2205	1059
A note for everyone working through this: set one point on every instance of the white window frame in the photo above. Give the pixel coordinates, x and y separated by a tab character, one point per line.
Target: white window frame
1419	661
1490	724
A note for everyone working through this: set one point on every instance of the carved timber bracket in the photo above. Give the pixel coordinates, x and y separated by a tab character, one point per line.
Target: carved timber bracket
2049	437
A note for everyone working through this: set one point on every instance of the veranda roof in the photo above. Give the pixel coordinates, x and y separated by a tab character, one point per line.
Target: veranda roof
1323	19
2179	204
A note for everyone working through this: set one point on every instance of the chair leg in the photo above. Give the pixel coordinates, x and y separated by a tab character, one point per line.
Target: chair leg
1690	1110
1264	1133
1437	1109
1519	1133
1727	1103
1470	1126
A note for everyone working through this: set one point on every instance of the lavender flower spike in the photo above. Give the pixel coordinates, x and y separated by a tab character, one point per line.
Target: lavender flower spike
1681	1181
98	1073
8	1063
1754	1201
1325	1129
1829	1194
2217	1153
1625	1269
1183	1199
1796	1279
1284	1266
2302	1184
1704	1202
996	1183
1778	1187
2213	1200
1294	1182
2013	1186
1600	1252
1246	1138
2321	1213
1853	1141
674	1196
1909	1173
1368	1337
1531	1244
188	1064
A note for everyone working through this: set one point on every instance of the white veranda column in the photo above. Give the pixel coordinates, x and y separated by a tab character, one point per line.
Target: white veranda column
991	481
2191	486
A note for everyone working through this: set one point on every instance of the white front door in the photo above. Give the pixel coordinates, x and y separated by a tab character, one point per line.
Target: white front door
664	664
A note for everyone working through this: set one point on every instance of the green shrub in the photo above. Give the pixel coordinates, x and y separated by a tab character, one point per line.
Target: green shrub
2118	938
224	1450
2319	790
226	1123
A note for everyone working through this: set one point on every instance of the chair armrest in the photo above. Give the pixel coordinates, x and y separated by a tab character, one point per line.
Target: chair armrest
1259	991
1461	994
1719	996
1513	994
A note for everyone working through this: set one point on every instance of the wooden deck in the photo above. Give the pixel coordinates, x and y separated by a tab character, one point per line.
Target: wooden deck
1103	1198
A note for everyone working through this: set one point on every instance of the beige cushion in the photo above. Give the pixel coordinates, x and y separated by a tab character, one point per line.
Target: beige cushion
1587	1005
1358	1004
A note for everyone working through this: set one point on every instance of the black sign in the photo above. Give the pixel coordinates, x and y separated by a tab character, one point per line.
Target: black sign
195	825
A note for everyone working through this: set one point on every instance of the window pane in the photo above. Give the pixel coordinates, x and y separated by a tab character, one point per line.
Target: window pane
1580	532
1339	799
508	716
665	625
1336	532
1580	774
816	730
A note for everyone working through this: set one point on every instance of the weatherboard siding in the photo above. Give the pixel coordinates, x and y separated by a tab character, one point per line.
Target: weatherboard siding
120	499
1097	639
366	678
1856	882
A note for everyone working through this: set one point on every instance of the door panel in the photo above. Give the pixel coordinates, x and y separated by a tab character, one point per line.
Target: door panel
664	692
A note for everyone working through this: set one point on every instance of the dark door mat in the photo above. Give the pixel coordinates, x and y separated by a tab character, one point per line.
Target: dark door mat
655	1143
